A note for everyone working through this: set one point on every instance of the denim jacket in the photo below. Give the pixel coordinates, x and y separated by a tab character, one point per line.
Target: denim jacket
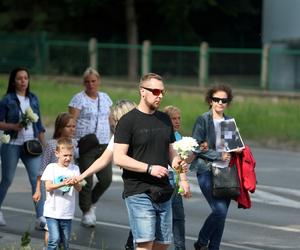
10	112
204	130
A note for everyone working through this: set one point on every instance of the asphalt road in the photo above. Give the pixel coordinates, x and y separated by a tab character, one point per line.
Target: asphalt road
272	223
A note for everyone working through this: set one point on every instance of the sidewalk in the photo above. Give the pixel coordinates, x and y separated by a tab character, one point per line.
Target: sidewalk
13	241
9	241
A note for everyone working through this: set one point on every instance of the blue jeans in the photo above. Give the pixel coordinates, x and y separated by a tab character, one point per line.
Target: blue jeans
178	215
178	222
10	155
59	232
149	221
213	227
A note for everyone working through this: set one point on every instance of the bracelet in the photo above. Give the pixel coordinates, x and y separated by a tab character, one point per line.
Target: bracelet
149	169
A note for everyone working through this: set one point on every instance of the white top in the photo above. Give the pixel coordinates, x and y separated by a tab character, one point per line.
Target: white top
110	145
219	144
24	134
92	110
60	203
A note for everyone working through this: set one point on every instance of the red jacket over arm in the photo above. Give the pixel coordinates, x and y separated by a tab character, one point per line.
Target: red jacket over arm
245	164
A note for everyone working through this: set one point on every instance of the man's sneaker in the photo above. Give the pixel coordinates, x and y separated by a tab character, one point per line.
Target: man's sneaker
2	221
200	247
87	220
41	224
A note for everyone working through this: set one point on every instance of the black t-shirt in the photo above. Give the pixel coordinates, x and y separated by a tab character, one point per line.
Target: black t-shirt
148	137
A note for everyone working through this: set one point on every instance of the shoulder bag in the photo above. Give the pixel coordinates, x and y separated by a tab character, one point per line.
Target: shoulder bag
160	194
33	147
225	182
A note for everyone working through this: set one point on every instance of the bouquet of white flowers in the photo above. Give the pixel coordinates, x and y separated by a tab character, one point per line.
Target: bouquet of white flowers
5	138
28	117
185	146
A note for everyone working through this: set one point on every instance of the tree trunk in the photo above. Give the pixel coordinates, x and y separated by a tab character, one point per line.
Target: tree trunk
132	39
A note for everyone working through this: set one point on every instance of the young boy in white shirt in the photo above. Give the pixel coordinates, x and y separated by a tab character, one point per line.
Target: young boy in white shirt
60	183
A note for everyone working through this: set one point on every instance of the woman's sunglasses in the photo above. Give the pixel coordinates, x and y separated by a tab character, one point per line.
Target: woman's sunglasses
155	92
217	99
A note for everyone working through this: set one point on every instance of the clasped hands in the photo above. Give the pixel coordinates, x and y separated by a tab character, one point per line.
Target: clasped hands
71	181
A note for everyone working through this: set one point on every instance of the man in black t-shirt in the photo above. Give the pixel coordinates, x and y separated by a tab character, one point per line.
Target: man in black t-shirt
143	148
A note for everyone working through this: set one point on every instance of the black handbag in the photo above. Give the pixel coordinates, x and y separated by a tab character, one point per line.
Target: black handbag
225	182
33	147
87	142
160	194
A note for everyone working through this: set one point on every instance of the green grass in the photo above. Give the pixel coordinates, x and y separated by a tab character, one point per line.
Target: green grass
265	120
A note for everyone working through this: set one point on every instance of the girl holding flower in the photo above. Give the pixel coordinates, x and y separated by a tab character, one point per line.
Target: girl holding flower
13	107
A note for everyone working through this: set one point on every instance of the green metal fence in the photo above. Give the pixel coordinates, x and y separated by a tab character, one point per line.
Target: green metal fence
182	65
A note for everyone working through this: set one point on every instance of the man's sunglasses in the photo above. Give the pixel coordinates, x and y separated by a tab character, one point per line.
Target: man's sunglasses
155	92
217	99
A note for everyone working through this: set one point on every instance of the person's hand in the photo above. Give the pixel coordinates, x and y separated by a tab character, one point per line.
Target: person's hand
73	181
69	182
78	178
36	196
238	150
226	156
185	189
180	165
184	166
159	171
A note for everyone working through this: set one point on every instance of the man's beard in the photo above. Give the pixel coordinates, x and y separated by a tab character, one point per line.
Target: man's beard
152	106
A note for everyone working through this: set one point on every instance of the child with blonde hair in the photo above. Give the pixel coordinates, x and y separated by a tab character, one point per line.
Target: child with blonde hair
60	182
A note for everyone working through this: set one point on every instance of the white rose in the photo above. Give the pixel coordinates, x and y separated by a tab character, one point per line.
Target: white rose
5	138
185	146
33	117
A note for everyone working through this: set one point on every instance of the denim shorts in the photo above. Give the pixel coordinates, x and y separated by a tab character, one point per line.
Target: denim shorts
149	221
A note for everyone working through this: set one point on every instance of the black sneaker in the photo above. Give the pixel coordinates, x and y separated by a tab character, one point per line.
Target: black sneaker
200	247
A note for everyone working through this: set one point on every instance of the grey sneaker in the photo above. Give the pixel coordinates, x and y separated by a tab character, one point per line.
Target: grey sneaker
41	224
93	213
87	220
2	221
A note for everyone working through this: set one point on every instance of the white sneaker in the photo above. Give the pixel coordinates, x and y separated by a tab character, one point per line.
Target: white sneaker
93	213
87	220
2	221
40	223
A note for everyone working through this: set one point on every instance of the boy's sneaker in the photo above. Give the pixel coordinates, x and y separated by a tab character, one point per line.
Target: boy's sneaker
41	224
2	221
87	220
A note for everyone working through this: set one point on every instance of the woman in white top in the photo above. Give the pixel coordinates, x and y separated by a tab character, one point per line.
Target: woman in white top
13	106
90	109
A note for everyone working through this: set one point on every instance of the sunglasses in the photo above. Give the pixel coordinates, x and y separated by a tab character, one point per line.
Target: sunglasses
217	99
155	92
